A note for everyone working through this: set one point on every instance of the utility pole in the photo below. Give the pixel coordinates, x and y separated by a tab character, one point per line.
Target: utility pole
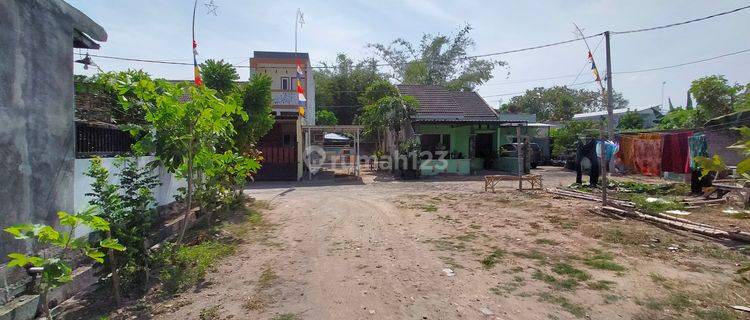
603	163
610	122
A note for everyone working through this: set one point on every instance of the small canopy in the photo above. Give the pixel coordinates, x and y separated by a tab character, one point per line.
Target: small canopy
335	136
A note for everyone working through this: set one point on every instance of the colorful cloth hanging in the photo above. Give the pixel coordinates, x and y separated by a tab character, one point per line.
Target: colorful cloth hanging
698	147
196	69
627	153
648	149
301	100
675	152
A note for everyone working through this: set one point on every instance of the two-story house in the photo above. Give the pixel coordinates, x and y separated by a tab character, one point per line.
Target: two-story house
283	146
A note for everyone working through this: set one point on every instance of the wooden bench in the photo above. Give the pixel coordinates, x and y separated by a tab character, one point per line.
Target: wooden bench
492	180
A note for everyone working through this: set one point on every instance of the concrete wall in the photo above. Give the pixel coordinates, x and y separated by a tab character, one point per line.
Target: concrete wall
36	111
164	193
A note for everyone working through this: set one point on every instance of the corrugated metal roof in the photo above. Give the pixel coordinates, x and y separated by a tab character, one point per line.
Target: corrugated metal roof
615	111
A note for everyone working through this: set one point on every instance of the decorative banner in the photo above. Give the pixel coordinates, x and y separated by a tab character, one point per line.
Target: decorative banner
196	70
301	100
594	70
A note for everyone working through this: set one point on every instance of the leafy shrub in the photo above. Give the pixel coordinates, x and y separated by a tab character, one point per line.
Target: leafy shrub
564	137
55	270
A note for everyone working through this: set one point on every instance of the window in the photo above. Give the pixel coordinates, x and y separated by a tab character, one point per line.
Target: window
435	142
286	83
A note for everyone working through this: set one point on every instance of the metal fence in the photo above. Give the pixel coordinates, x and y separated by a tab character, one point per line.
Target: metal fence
101	140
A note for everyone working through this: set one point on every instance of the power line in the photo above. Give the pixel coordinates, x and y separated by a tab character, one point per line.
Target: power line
468	57
681	23
640	70
515	93
684	63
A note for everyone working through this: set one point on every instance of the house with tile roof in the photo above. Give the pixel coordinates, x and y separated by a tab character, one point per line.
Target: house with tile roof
464	126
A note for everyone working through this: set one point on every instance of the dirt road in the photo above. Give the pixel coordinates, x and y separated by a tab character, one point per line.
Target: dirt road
439	249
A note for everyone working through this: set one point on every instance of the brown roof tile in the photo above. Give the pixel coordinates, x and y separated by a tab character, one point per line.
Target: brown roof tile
440	103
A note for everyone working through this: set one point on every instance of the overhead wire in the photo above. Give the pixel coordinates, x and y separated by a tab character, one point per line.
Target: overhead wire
515	51
479	55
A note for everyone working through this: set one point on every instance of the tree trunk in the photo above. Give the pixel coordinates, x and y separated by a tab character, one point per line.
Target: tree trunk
45	304
115	276
189	187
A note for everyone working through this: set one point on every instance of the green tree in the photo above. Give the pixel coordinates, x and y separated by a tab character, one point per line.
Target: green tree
183	124
678	119
325	118
714	96
559	103
219	75
389	113
377	90
564	137
257	103
630	120
128	111
437	60
342	82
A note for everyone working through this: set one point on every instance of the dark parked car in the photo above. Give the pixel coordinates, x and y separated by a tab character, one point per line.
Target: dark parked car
510	150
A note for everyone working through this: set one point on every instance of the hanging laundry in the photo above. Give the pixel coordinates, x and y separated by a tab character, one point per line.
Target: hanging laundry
610	149
675	152
627	153
587	150
698	147
648	147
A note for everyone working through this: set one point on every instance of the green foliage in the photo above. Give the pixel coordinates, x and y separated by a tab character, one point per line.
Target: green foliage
390	112
224	175
55	270
189	129
257	103
129	208
678	119
377	90
340	84
566	135
219	75
129	102
714	96
559	103
325	118
184	267
437	60
374	122
655	205
630	120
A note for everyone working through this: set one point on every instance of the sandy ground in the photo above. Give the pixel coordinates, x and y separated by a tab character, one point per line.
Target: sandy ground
414	250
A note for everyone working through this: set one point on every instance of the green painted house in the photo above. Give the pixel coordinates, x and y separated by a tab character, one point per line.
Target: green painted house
462	125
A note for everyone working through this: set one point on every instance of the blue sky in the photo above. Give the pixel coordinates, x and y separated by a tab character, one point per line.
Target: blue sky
160	30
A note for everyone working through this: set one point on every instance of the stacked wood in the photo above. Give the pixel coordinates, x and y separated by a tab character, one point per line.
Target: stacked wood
620	209
589	197
682	224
